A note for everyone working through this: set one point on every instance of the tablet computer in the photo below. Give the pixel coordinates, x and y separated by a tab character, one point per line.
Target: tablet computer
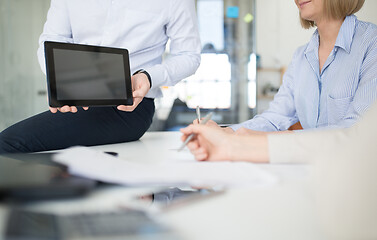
85	75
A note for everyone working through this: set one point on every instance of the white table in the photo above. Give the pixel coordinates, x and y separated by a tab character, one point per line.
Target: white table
285	211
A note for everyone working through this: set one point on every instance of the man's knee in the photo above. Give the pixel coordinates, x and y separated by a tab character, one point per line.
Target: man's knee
9	144
4	145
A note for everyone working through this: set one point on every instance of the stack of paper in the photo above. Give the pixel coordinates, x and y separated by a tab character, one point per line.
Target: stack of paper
97	165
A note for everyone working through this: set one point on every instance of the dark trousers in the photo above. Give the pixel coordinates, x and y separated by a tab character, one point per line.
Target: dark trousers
96	126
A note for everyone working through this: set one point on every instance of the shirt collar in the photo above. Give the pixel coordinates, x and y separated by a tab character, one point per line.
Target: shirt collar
344	39
313	43
346	33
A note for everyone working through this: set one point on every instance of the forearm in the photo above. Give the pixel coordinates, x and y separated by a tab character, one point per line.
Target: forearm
174	69
228	130
249	148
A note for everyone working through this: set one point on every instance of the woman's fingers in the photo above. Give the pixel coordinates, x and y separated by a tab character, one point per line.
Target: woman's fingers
201	154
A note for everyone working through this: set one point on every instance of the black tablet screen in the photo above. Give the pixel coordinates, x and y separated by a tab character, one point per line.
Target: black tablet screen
89	75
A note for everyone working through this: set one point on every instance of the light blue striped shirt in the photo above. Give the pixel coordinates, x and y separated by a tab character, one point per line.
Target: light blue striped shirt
333	98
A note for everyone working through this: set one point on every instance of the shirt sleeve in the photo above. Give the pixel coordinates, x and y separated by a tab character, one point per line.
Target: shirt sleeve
185	46
300	147
57	28
281	113
306	147
366	92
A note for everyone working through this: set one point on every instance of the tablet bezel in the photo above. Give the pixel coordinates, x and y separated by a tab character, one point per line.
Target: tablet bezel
51	77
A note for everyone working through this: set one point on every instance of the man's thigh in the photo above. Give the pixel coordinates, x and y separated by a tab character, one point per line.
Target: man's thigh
97	126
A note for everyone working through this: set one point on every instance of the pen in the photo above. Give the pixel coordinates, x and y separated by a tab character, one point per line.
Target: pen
188	139
198	113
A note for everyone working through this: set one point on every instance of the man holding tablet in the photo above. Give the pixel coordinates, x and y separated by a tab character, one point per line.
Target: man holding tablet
143	28
85	75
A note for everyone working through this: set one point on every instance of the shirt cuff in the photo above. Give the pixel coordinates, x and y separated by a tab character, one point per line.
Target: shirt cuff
147	74
158	75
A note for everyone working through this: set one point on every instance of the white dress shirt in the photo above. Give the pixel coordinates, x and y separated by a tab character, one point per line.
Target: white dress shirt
143	27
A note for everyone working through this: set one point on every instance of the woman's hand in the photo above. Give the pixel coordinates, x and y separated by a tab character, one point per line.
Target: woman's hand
214	144
210	142
248	132
213	124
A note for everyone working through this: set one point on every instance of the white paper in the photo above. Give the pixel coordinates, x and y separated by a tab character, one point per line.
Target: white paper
97	165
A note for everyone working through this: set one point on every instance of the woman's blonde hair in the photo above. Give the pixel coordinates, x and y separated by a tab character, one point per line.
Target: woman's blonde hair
336	9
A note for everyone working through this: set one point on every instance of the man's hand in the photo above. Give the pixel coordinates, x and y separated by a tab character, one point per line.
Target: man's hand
140	88
66	109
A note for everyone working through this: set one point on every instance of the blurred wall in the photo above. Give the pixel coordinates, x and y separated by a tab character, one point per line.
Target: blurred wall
279	32
22	83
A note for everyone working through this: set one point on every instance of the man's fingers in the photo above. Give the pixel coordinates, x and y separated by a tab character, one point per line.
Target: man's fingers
139	93
53	110
64	109
74	109
127	108
140	89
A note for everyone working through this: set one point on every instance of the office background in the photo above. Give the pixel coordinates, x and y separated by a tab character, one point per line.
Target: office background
244	56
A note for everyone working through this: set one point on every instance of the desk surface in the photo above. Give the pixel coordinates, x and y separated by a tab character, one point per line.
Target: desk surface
285	211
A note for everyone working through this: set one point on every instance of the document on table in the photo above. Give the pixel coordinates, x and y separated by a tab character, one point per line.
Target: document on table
89	163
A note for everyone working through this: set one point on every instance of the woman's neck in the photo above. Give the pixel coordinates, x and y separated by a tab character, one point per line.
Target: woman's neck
328	31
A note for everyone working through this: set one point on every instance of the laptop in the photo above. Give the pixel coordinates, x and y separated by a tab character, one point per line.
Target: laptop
28	177
123	224
36	177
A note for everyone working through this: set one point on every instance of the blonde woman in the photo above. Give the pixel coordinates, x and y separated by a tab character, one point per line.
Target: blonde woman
332	80
330	83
